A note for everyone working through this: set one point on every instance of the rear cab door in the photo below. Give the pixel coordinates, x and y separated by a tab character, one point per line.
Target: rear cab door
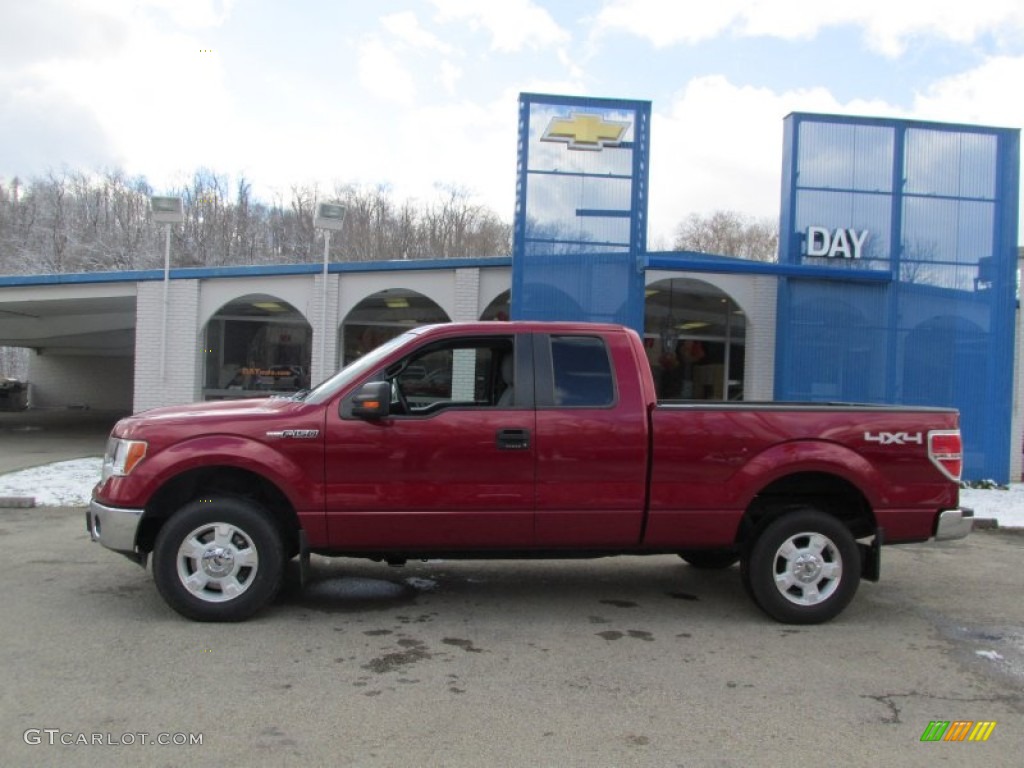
591	439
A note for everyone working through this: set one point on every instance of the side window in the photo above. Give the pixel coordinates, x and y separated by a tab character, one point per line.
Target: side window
463	372
582	371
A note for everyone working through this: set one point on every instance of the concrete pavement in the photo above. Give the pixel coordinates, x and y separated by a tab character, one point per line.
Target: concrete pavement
36	437
616	662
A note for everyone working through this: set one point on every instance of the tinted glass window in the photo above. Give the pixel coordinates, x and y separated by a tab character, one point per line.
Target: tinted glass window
462	372
583	372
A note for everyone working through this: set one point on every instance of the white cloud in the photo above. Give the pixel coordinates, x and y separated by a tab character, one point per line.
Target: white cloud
155	96
382	73
414	150
48	29
406	27
668	23
449	77
980	95
512	24
467	144
189	13
888	27
718	146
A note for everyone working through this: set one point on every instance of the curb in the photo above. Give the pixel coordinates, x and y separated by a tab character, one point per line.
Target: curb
17	502
992	524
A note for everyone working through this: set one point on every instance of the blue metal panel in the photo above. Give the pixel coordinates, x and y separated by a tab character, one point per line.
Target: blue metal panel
939	204
581	209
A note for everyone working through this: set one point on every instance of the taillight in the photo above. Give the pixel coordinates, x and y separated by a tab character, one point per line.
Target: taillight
946	451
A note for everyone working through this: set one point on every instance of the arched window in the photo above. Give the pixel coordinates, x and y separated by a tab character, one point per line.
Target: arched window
256	345
384	315
499	308
695	337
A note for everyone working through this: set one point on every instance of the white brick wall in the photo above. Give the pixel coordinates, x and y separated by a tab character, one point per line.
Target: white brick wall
759	373
180	380
467	295
99	383
324	361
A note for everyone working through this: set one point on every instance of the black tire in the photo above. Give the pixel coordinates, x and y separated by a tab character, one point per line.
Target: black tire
212	547
803	568
710	559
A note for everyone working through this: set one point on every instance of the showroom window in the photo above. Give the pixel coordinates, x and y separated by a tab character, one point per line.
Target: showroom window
695	338
256	345
384	315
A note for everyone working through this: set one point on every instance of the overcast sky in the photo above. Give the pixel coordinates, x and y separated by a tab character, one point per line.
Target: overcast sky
415	93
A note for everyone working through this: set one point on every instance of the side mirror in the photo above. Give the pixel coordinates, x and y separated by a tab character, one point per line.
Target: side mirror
373	401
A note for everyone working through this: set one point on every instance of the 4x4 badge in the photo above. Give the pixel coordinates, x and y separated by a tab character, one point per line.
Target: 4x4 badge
894	438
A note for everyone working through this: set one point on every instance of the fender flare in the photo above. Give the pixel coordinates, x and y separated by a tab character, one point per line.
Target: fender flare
799	456
237	452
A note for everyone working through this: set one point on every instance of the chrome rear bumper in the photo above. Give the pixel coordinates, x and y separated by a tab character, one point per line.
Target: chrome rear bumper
954	524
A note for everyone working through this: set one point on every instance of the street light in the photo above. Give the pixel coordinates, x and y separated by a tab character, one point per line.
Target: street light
166	211
330	217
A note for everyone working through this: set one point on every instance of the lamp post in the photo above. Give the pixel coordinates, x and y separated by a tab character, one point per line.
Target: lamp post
329	217
166	211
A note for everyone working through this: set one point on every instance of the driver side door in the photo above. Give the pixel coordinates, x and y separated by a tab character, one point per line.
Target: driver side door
452	464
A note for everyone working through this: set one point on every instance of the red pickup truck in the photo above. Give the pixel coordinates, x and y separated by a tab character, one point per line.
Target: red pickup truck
522	440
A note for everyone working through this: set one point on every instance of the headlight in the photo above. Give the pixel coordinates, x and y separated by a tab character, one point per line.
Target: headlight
122	456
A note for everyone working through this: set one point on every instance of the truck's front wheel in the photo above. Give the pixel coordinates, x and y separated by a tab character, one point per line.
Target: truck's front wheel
804	568
218	559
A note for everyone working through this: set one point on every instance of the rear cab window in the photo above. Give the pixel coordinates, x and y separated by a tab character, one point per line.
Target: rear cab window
581	373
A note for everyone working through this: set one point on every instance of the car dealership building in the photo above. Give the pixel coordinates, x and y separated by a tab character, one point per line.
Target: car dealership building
896	283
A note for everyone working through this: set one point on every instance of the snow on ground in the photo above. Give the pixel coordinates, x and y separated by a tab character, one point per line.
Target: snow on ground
63	484
69	484
1005	506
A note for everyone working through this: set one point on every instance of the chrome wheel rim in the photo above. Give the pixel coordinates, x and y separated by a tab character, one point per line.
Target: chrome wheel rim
807	568
217	562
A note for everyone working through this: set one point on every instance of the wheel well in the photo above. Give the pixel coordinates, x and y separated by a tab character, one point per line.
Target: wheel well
218	480
829	493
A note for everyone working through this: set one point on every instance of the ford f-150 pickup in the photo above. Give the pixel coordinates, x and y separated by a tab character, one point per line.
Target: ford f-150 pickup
522	439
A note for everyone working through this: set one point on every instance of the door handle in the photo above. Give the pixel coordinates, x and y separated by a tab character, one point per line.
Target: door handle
513	439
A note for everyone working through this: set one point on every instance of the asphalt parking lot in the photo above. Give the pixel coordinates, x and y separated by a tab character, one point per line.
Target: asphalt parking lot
620	662
616	662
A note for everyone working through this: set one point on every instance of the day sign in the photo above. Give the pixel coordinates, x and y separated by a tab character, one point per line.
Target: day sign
836	244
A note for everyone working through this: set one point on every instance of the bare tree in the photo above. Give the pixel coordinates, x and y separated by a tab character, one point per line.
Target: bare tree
457	227
369	224
728	233
75	221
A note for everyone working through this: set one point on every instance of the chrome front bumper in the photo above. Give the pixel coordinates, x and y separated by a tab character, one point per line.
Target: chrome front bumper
954	524
113	527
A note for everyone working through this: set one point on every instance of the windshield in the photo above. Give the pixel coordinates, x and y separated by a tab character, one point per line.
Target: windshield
355	370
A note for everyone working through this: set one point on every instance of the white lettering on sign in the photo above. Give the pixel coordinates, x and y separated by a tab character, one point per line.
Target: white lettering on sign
894	438
836	244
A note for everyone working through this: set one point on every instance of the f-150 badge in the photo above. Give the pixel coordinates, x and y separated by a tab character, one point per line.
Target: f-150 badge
300	434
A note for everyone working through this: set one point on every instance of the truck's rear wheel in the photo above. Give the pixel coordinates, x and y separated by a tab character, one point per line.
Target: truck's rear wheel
218	559
804	568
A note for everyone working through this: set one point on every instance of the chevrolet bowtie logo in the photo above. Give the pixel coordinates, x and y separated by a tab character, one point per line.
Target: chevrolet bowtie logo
583	131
